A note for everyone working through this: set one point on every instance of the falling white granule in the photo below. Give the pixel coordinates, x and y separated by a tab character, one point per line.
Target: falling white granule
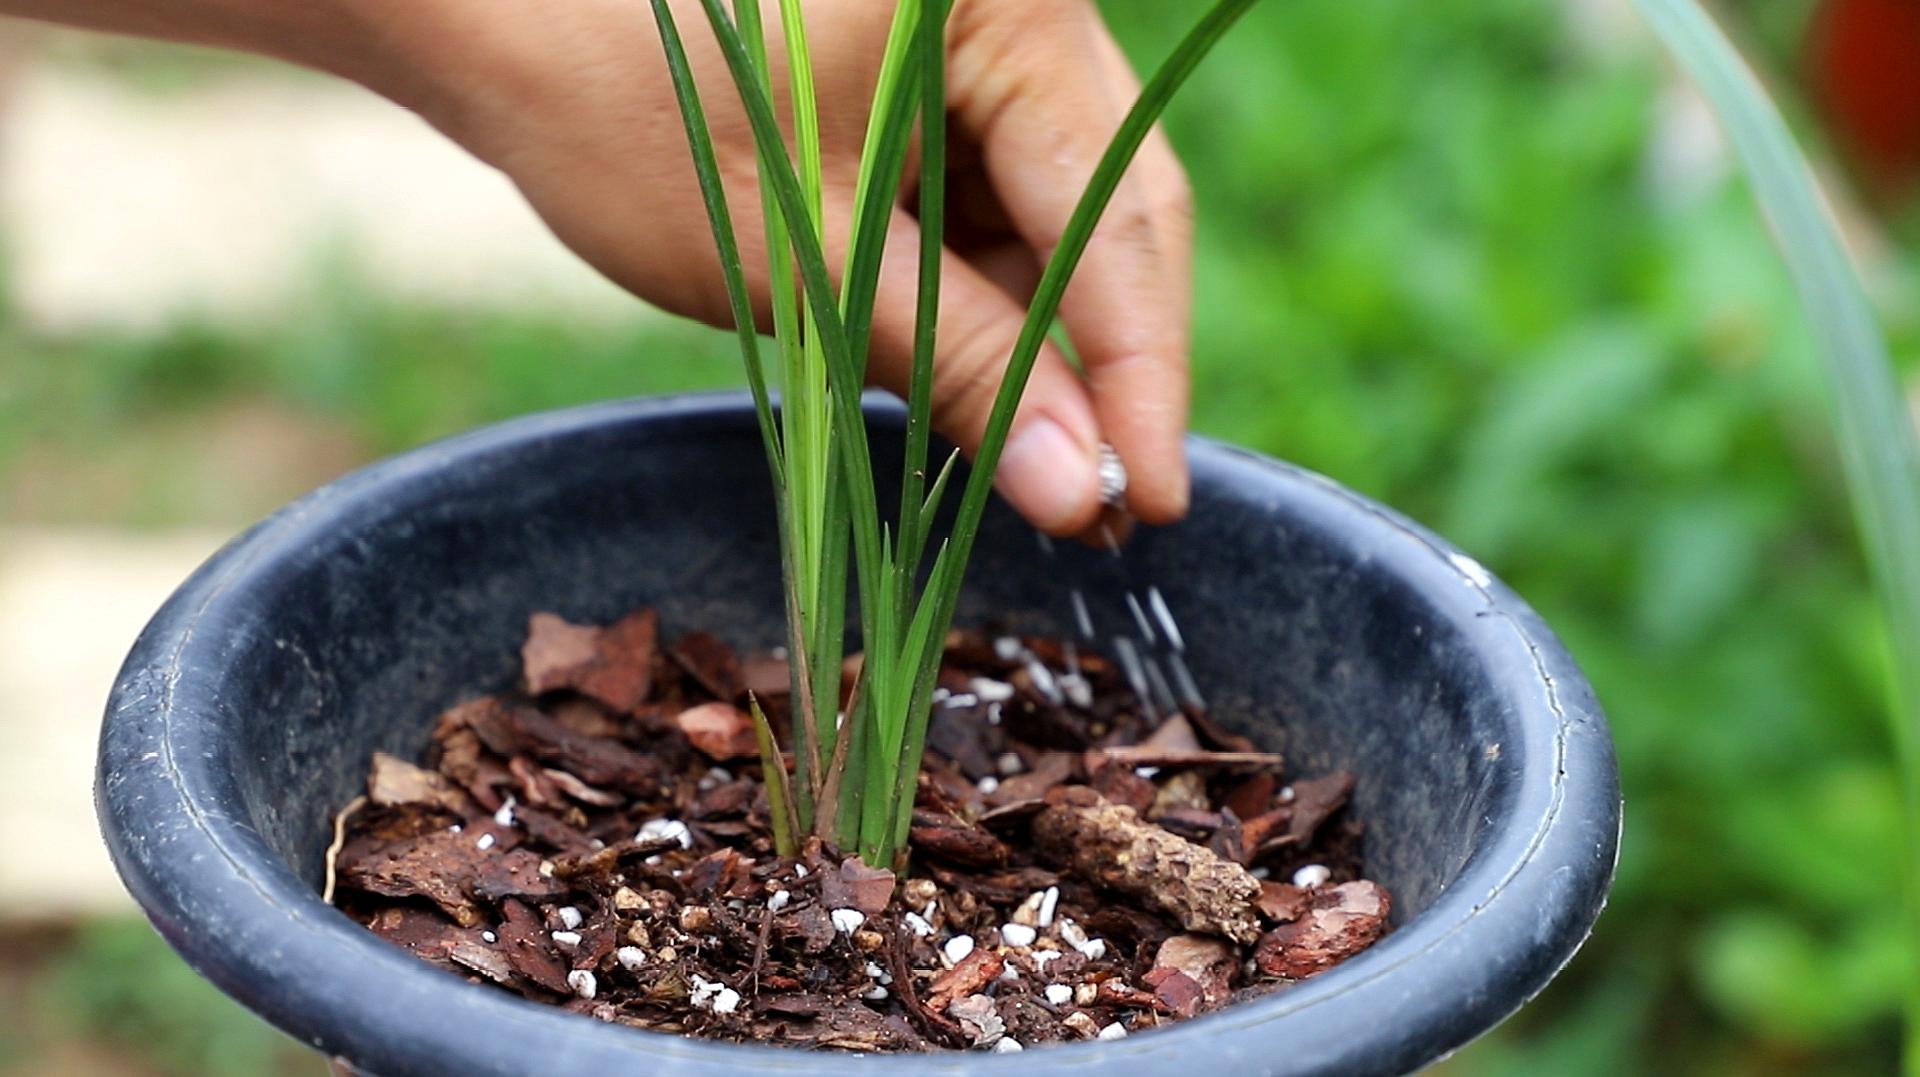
1007	1045
918	924
630	957
1112	1032
568	939
1059	994
582	983
1018	934
570	917
505	815
778	900
485	842
847	921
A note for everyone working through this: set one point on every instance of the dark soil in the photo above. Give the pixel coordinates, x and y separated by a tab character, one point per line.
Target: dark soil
599	841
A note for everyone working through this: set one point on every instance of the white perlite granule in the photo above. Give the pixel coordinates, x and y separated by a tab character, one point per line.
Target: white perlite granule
1018	935
957	949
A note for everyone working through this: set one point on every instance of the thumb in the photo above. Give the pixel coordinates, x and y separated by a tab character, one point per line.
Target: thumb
1048	469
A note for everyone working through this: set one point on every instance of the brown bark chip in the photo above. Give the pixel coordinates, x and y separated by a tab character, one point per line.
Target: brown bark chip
854	885
1209	963
613	664
1282	902
944	837
1315	800
1109	843
436	866
720	731
394	781
1340	921
539	838
595	760
711	662
971	975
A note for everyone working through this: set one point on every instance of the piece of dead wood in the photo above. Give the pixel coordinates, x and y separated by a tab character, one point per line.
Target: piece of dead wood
1139	755
613	664
1340	921
1109	844
603	862
941	835
334	847
934	1026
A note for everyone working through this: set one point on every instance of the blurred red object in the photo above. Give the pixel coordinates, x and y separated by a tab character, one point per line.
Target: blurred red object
1863	59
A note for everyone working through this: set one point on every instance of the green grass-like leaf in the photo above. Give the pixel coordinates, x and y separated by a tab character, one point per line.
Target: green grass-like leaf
1871	422
862	796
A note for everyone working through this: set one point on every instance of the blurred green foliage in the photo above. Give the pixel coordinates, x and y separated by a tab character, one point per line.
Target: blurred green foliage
1437	263
119	986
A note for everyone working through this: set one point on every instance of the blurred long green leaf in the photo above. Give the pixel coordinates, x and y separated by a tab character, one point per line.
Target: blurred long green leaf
1875	432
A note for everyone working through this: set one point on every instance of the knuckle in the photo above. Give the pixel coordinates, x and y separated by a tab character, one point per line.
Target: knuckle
966	378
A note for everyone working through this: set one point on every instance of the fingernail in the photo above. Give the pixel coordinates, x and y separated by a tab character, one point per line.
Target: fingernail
1047	475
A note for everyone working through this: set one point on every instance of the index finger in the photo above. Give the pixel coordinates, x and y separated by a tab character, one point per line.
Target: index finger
1042	136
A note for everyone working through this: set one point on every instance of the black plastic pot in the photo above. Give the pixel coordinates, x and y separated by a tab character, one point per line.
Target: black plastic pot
1317	622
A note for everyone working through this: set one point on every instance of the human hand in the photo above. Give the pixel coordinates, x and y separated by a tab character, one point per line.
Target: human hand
572	101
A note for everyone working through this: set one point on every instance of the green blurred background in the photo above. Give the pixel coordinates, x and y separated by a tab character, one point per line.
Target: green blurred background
1485	262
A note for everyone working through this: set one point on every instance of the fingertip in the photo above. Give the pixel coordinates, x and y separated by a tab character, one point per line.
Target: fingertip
1049	476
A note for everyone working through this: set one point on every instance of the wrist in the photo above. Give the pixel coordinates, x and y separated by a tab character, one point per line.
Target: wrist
460	64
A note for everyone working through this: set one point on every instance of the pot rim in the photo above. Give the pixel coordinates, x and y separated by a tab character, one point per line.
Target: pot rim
176	827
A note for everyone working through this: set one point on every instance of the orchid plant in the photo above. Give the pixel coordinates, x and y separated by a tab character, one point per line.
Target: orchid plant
856	767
